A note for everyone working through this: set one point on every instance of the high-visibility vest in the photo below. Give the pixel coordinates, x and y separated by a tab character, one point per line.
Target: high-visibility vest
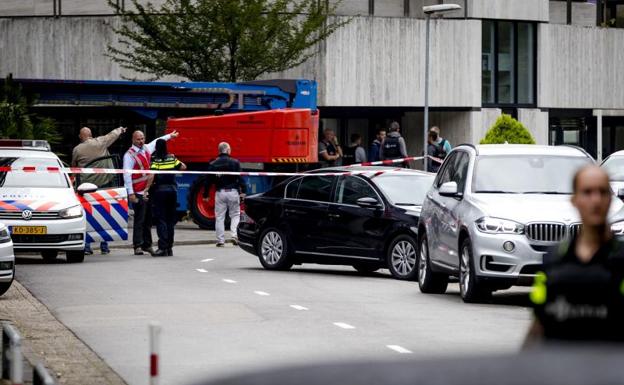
141	162
168	163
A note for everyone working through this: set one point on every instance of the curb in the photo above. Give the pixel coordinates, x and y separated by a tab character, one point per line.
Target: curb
181	243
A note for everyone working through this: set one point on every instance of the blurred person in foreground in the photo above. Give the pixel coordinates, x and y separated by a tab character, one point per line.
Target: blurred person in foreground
87	151
580	294
164	191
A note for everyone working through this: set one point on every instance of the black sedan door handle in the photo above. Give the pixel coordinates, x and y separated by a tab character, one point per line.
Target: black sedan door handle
333	215
293	211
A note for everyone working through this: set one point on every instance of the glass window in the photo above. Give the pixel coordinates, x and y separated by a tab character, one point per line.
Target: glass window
531	174
315	188
352	188
525	63
446	173
26	179
461	170
505	62
291	188
408	190
487	62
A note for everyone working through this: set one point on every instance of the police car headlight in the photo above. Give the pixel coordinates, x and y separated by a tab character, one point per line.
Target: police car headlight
499	226
617	228
71	212
5	236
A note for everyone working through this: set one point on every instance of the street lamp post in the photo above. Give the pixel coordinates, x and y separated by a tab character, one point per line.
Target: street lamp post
430	10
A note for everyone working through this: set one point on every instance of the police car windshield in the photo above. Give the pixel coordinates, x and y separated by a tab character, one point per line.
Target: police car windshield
526	174
28	179
404	190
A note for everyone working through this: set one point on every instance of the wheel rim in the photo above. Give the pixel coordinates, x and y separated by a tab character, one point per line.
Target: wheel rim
422	262
272	248
206	209
464	271
403	257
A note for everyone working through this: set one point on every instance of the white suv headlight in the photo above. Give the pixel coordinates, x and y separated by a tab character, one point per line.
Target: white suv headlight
617	228
499	226
71	212
5	236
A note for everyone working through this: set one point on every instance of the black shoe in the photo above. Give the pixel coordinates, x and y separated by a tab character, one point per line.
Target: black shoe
138	251
148	250
169	252
220	244
160	253
105	251
88	252
235	241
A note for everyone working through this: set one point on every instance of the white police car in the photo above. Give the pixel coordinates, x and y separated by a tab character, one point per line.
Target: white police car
44	213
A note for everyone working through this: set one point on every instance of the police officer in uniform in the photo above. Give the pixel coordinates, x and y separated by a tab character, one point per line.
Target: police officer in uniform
329	149
580	294
164	192
393	146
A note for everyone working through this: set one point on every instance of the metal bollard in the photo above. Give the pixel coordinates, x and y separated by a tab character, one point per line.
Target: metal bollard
12	368
41	376
154	335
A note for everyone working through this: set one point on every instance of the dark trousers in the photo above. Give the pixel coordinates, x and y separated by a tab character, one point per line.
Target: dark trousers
142	227
165	215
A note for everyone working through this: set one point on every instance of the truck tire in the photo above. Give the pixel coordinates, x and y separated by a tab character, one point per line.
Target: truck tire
202	213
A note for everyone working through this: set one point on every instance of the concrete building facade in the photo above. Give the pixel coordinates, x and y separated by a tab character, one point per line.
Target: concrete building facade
557	66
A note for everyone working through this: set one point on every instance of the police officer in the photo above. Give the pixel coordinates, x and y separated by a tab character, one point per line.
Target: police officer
230	189
329	151
580	294
393	146
164	192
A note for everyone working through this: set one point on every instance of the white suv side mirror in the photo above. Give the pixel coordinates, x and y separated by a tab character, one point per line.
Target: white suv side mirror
86	188
449	189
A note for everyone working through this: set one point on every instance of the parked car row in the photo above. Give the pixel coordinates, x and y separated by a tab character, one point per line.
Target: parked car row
486	218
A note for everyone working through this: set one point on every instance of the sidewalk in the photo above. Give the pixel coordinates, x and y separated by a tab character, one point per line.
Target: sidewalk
186	233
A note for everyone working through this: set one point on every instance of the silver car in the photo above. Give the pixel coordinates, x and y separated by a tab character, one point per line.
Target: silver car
492	213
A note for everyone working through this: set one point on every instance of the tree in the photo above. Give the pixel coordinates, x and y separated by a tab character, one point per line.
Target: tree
221	40
16	120
508	130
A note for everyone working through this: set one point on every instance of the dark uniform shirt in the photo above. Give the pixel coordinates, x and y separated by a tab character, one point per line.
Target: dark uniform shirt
168	163
582	301
225	182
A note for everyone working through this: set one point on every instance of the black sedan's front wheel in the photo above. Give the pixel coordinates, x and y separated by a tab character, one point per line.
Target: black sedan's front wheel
402	258
273	250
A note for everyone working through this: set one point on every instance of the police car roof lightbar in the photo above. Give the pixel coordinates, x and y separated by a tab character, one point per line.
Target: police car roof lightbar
30	144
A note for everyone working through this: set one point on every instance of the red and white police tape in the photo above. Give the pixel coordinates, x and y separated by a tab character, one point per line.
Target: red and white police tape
87	170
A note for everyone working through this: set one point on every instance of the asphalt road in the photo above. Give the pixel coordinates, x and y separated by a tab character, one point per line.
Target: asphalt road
222	313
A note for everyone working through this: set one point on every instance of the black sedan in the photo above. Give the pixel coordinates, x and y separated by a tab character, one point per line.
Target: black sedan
367	219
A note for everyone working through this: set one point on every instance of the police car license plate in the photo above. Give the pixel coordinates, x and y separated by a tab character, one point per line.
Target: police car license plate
29	230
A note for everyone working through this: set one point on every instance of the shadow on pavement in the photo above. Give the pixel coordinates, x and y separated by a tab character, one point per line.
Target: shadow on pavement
325	271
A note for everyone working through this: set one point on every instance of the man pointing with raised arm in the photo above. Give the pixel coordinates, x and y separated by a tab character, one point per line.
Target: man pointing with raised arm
138	158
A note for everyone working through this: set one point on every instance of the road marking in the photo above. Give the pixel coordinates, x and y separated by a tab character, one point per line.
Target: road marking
344	325
228	280
399	349
202	270
299	307
207	260
261	292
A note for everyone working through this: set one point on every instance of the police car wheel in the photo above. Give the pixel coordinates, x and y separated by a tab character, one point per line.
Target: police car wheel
49	255
470	288
428	281
273	250
4	287
75	256
402	258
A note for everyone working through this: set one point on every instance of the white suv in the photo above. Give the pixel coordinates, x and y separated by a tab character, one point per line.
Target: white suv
492	213
44	213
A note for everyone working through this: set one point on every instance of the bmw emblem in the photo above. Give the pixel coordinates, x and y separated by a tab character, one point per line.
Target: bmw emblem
27	215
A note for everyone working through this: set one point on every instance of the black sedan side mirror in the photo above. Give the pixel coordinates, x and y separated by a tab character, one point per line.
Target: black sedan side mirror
620	193
368	203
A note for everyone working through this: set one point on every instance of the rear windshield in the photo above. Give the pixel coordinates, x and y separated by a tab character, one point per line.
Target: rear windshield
28	179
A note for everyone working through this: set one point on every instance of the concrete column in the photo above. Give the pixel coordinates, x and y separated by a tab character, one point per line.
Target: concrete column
536	121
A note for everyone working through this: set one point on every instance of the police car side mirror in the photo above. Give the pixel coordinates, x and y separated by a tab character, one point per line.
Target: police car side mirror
86	188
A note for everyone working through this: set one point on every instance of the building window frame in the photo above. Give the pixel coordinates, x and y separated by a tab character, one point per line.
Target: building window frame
495	43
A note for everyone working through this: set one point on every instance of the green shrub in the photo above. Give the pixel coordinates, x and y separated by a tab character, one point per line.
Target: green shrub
508	130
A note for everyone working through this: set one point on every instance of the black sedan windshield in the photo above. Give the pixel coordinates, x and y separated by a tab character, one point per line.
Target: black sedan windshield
404	189
525	174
